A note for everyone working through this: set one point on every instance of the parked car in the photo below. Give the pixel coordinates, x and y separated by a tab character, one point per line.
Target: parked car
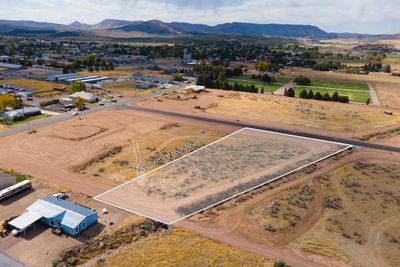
75	113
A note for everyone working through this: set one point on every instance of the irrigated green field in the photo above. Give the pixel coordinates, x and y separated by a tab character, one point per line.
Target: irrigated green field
359	97
340	85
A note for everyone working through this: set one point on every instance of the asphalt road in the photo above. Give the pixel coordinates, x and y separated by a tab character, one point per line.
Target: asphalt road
273	129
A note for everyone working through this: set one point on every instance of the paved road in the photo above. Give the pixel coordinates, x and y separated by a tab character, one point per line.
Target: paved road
23	127
265	128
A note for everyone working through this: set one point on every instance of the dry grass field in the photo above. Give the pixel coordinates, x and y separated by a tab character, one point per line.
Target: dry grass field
182	248
280	111
361	217
125	90
242	161
34	85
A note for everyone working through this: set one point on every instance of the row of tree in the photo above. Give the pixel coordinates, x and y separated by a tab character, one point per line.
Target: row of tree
210	81
335	97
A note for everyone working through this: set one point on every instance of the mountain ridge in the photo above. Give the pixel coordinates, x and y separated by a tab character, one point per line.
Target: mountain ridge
161	28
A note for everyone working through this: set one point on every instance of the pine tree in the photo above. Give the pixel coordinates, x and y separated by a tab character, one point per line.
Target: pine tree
326	97
368	101
335	97
262	90
290	93
303	94
310	94
317	96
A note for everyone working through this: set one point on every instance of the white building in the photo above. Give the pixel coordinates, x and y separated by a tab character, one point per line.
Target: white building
87	97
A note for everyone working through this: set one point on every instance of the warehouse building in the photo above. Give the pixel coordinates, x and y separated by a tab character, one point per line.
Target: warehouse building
57	213
73	77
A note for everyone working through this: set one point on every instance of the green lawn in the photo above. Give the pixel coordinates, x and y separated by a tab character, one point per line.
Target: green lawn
278	79
340	85
360	97
268	88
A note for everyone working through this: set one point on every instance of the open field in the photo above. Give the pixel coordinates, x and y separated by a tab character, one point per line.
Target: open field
125	89
355	96
360	213
335	213
98	150
340	85
34	85
178	248
242	161
279	110
278	79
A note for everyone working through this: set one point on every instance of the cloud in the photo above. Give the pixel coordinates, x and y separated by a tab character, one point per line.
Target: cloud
364	16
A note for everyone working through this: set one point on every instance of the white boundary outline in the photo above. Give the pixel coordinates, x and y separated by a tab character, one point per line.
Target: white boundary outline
348	146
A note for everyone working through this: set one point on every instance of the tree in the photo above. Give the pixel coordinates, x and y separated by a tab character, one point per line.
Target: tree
178	77
90	60
5	101
79	102
344	99
368	101
262	66
76	87
262	90
301	80
303	94
310	94
335	97
17	103
266	78
290	92
317	96
280	264
326	97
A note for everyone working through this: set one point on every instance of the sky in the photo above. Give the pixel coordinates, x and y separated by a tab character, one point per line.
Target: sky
361	16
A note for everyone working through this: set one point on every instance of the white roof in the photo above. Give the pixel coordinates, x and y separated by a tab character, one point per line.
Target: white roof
25	220
72	219
83	94
45	209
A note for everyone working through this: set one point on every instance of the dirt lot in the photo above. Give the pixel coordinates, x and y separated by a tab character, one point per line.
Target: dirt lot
33	248
280	111
230	166
72	152
352	218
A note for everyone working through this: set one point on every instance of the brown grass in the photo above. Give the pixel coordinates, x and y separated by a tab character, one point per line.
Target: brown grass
182	248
